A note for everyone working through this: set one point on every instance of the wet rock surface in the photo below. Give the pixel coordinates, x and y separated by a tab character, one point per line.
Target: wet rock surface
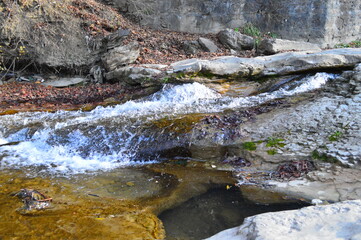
321	127
326	128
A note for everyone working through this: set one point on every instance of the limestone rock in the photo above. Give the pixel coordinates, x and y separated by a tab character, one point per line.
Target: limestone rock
316	222
115	39
235	40
208	45
133	75
65	82
291	62
272	46
191	47
187	66
312	20
121	56
233	66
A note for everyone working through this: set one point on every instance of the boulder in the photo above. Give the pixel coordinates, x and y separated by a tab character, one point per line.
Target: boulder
134	76
121	56
191	47
236	40
187	66
273	45
208	45
115	39
336	221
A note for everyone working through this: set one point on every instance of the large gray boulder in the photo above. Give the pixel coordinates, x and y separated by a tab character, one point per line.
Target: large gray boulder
121	56
272	46
191	47
236	40
208	45
336	221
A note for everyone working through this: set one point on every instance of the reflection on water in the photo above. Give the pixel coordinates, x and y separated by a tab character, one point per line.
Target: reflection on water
214	211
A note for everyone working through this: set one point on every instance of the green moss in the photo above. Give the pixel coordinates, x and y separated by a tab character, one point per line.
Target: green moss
182	124
205	74
275	142
165	80
272	151
179	75
353	44
323	157
335	136
250	146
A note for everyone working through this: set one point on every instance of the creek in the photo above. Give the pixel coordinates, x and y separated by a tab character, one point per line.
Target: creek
117	167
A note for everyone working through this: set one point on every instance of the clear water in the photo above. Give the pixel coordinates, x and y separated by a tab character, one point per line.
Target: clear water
110	137
218	209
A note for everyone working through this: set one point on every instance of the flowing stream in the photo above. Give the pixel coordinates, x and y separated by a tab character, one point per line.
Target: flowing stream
109	137
104	187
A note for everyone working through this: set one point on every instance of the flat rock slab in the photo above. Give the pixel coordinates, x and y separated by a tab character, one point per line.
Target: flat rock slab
236	67
65	82
335	185
336	221
272	46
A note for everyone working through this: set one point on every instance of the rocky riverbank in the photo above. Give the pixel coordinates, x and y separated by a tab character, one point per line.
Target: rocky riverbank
318	222
285	125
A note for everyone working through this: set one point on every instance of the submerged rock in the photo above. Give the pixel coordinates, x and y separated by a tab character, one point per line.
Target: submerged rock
33	200
316	222
75	213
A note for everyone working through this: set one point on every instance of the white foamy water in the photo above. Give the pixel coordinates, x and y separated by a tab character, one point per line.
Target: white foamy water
3	141
109	137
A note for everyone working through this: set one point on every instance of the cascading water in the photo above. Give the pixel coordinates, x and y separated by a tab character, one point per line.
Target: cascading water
109	137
